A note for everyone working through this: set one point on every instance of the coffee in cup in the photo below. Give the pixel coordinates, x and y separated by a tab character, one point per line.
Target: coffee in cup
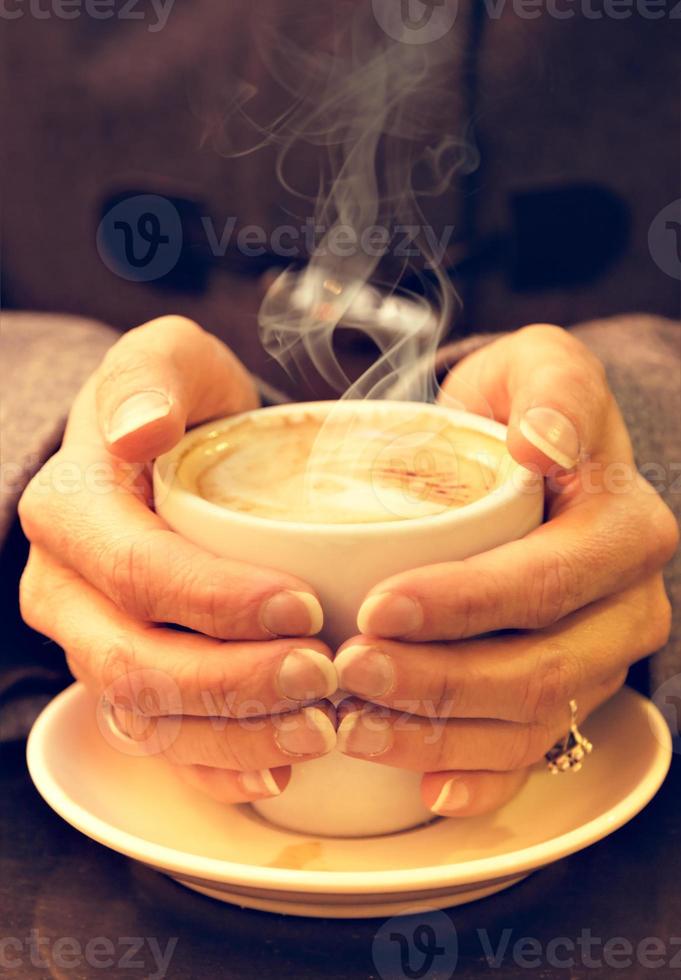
342	470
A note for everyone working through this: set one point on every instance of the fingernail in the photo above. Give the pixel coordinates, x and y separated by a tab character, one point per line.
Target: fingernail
306	675
364	734
390	614
258	782
292	614
553	434
365	671
136	412
114	720
310	733
454	796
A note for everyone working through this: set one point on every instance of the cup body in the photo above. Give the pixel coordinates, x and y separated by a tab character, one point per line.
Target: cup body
337	795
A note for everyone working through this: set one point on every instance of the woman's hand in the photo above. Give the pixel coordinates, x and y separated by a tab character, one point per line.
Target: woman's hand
585	591
105	573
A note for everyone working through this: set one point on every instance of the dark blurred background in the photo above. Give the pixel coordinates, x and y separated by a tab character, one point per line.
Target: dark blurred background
110	112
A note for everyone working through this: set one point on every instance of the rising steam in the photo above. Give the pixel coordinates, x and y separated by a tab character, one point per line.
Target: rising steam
370	105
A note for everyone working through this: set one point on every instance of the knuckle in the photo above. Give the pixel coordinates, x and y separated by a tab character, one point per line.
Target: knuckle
582	375
124	364
553	590
207	602
29	593
143	345
579	369
617	681
659	619
46	605
171	321
525	746
444	749
552	333
544	331
665	537
515	748
469	609
27	511
39	596
73	663
220	606
595	368
450	692
123	562
550	684
598	369
466	610
118	660
34	503
235	749
208	681
129	573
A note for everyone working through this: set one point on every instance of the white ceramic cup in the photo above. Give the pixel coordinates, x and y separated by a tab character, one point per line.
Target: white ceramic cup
337	795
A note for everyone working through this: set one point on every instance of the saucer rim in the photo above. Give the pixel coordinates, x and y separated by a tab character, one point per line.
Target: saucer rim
172	861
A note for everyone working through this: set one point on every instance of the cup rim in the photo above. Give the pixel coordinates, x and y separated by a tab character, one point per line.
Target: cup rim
518	480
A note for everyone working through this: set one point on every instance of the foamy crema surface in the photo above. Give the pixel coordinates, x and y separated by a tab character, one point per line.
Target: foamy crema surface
342	470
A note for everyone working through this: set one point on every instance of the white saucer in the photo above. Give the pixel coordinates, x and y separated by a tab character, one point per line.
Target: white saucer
138	807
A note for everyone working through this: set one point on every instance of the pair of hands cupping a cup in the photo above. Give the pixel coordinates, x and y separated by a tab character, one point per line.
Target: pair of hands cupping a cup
583	593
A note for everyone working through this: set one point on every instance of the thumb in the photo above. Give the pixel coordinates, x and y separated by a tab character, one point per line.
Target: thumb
161	377
547	387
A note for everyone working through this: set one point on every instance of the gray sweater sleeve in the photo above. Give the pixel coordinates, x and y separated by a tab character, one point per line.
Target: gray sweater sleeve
44	359
642	358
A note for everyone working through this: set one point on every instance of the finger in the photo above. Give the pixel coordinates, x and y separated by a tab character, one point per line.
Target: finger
162	376
127	552
398	738
531	583
157	671
227	786
547	386
244	744
470	794
519	677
